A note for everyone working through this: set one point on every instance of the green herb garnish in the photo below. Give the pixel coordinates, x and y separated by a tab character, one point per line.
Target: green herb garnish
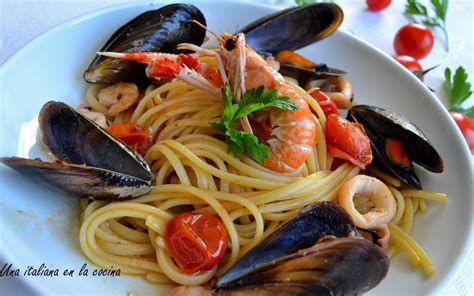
459	90
419	13
240	142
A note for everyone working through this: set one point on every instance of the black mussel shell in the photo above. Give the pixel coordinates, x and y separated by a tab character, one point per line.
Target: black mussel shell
79	180
159	30
381	124
92	163
293	28
344	266
75	139
302	231
304	75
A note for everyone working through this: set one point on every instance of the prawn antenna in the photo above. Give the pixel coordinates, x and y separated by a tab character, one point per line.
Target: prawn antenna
219	38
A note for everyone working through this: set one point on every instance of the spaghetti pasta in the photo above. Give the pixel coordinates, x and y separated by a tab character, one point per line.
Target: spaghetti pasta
194	171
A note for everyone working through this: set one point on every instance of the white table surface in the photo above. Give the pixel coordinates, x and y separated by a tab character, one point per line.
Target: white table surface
21	21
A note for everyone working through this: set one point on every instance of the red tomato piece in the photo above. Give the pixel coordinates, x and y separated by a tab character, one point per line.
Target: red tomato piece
414	40
466	125
377	5
325	102
132	135
196	241
409	62
347	140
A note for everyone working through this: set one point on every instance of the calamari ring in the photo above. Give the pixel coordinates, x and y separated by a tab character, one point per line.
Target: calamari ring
385	205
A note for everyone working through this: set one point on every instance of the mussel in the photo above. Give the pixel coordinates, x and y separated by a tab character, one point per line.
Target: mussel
318	252
385	128
344	266
293	28
91	163
305	75
302	231
159	30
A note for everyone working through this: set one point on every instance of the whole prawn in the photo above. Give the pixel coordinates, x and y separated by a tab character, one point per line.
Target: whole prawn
290	134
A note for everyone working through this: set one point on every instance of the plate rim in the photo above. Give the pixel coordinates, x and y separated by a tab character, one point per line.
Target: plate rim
35	284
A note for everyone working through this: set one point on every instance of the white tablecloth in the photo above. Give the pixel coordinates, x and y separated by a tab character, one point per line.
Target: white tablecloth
22	20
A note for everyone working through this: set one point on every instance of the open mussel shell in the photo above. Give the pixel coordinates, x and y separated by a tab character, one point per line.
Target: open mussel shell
79	180
380	125
302	231
293	28
75	139
305	75
159	30
92	163
344	266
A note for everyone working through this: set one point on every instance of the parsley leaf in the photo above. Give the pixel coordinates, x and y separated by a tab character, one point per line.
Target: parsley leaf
419	13
240	142
459	90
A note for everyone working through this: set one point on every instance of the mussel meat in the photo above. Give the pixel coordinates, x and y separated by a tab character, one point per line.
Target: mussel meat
385	128
344	266
319	20
302	231
91	162
159	30
305	75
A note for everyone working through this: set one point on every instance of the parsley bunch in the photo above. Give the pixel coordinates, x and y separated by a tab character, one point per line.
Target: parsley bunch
240	142
419	13
459	90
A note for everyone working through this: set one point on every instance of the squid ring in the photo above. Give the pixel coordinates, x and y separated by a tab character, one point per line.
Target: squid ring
385	205
342	94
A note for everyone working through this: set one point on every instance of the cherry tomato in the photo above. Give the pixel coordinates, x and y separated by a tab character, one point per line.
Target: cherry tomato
347	140
325	102
466	125
414	40
196	241
132	135
409	63
377	5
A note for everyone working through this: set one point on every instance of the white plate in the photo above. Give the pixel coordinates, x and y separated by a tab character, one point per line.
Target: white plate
41	226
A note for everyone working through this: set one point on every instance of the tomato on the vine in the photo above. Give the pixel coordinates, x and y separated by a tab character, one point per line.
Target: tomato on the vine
466	125
377	5
414	40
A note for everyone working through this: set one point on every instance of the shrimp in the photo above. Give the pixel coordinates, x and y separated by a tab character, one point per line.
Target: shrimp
118	97
290	134
385	205
190	291
96	117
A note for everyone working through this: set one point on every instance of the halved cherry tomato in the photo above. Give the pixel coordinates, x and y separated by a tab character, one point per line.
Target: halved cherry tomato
414	40
132	134
196	241
377	5
466	125
347	140
326	103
